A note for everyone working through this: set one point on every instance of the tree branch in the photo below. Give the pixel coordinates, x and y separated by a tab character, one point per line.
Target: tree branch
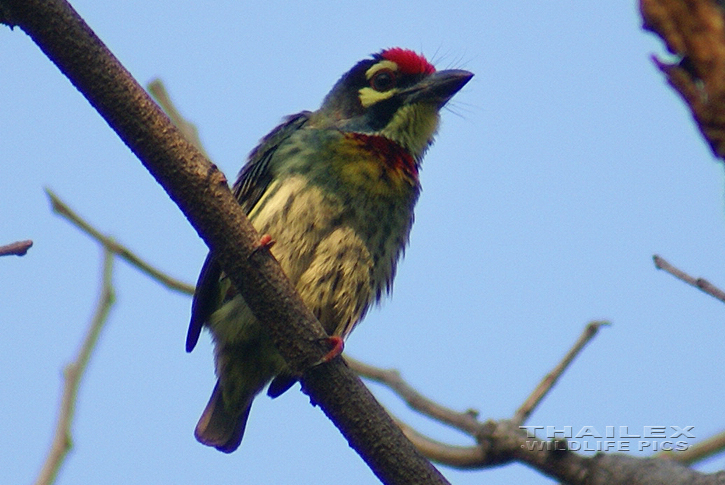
500	442
700	283
73	373
201	191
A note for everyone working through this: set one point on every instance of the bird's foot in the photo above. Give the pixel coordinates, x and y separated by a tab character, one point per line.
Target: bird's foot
265	242
337	344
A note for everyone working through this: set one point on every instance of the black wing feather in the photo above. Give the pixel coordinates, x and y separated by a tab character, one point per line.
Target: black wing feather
252	182
255	176
205	301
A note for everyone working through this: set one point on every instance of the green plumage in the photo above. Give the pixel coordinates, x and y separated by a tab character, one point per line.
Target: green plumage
336	194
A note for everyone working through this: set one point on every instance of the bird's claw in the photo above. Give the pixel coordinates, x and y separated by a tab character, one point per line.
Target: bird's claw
337	344
265	242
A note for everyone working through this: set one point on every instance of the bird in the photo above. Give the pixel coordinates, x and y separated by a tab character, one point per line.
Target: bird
333	192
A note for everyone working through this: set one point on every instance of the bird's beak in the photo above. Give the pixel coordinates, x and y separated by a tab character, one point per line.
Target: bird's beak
437	88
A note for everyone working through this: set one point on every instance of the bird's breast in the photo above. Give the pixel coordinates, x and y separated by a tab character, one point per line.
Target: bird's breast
374	164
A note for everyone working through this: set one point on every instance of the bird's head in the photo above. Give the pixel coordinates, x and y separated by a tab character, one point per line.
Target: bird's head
396	94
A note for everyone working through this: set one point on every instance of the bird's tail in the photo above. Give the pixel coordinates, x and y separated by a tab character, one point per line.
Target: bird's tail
220	428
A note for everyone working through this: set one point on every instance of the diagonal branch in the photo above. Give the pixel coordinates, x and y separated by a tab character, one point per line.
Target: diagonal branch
498	442
201	192
73	373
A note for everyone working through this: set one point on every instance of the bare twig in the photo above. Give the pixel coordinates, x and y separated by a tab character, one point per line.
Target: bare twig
464	457
464	421
700	283
498	442
59	207
188	129
548	382
698	451
18	248
73	373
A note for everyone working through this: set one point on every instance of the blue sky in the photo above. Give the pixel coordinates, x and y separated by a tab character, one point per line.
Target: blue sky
560	169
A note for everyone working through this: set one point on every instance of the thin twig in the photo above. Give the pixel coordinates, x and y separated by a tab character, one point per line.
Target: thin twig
698	451
18	248
700	283
523	413
473	456
464	457
62	209
157	89
73	372
464	421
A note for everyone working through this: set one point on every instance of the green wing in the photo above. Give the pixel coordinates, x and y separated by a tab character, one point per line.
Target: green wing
252	182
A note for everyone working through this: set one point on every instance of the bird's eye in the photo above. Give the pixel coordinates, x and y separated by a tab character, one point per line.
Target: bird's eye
383	80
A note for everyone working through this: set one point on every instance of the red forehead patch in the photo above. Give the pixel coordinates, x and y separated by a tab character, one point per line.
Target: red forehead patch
408	61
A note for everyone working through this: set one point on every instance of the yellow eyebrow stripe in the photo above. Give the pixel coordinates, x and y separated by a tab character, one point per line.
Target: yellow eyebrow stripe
380	65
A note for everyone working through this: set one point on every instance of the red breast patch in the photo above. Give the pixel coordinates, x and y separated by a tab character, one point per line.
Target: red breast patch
393	155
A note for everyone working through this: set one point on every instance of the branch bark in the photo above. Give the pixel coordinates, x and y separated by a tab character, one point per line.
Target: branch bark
201	192
701	283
